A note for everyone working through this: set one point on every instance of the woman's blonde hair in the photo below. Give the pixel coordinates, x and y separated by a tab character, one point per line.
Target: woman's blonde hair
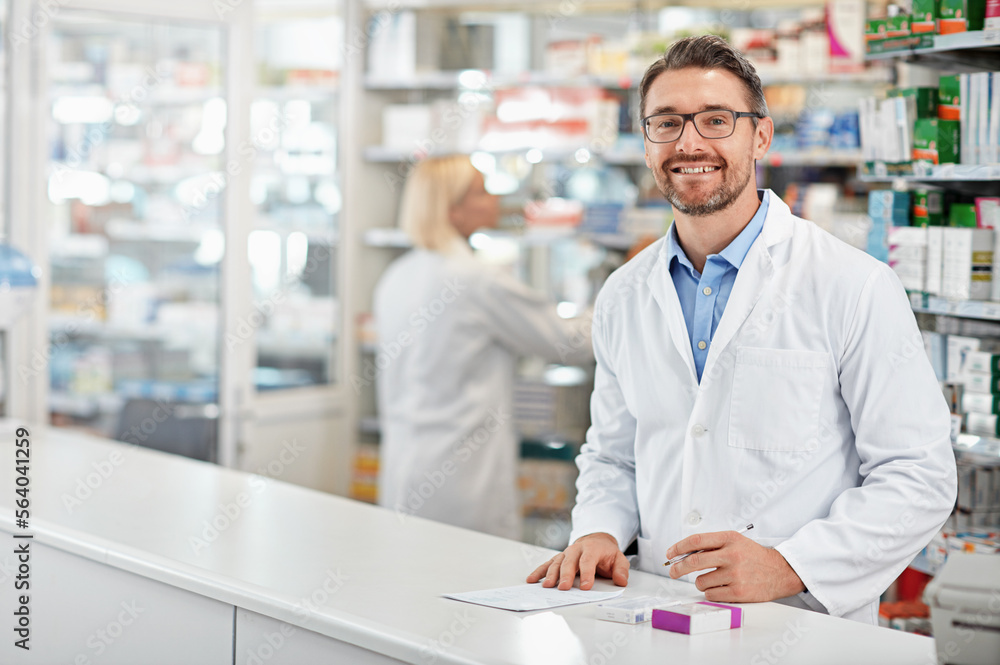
432	188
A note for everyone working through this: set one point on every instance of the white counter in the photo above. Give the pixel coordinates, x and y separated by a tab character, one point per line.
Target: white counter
345	570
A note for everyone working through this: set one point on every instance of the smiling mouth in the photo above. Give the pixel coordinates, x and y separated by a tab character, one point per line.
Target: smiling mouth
695	169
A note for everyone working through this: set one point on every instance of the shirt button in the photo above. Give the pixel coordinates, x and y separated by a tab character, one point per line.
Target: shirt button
694	518
697	430
702	345
707	290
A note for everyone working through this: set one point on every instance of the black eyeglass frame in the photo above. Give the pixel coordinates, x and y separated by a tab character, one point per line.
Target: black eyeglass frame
689	117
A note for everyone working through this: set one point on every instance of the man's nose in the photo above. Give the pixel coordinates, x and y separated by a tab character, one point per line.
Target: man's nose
689	140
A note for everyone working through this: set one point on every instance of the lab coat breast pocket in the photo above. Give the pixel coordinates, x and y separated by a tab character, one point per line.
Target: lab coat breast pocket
776	399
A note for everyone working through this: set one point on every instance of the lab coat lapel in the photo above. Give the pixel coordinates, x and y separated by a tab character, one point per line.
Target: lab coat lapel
755	272
662	287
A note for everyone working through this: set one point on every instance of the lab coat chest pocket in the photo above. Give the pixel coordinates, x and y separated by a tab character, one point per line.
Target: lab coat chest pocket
776	398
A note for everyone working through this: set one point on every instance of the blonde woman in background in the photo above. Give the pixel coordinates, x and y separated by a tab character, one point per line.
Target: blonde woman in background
449	329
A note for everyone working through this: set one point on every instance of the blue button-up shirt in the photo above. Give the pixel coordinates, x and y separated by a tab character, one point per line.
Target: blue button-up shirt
704	295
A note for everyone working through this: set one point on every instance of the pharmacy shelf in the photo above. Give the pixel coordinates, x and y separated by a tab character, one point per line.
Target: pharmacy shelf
484	81
978	449
159	95
85	326
385	155
309	93
979	48
131	230
381	154
84	405
394	238
872	75
966	309
560	6
939	173
817	158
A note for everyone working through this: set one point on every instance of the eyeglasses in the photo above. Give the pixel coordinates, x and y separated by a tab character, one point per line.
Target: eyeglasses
713	124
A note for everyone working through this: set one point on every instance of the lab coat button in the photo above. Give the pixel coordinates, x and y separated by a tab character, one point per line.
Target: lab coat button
697	430
693	518
702	345
707	290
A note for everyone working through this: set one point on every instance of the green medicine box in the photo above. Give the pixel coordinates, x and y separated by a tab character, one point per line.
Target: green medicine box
927	207
927	99
936	141
949	98
962	215
897	26
960	15
875	35
925	15
875	28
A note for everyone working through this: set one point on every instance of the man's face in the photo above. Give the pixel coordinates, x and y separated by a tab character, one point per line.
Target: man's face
726	165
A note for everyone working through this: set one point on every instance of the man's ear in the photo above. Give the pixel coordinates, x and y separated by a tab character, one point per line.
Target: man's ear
763	137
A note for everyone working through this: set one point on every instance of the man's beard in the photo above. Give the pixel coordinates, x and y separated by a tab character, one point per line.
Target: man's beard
733	185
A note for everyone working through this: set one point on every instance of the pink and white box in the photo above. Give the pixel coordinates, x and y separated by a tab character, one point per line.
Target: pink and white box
697	618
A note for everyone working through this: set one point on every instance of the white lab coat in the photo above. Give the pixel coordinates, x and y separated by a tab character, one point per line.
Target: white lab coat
449	328
818	417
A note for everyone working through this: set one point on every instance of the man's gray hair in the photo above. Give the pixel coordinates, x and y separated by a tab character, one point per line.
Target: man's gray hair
707	52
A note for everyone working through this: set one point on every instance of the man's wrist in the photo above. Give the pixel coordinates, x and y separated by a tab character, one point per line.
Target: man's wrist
788	583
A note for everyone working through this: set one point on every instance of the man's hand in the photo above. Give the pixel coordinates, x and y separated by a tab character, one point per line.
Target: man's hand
595	552
745	572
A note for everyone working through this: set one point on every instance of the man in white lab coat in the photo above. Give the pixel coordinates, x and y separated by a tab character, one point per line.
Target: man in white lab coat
751	368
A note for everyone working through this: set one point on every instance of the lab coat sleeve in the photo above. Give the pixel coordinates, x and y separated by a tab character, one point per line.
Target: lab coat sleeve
606	496
526	323
902	434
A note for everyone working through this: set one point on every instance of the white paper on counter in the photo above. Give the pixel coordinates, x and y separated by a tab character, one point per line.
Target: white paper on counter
527	597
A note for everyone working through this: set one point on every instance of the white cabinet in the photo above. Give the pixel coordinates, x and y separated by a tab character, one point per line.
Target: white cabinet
261	639
83	612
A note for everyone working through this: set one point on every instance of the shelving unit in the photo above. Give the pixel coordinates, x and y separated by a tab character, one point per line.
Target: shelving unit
962	52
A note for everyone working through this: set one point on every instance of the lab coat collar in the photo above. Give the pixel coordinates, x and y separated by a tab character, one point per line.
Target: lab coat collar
752	278
734	253
755	271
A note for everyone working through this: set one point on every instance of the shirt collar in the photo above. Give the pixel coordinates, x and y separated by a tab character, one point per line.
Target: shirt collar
735	252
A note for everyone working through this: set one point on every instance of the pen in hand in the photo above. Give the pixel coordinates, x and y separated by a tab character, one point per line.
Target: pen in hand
687	554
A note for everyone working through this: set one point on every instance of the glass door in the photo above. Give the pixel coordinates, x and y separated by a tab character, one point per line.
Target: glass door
296	193
135	118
